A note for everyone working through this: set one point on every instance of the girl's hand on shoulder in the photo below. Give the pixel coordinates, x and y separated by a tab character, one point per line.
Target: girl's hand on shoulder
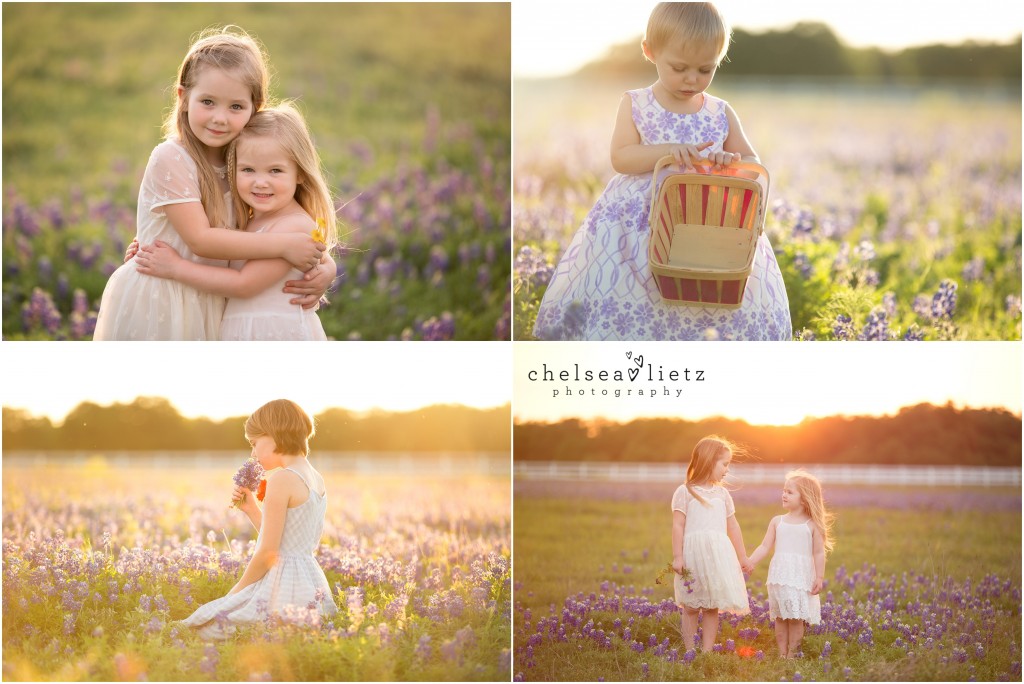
159	260
314	284
303	252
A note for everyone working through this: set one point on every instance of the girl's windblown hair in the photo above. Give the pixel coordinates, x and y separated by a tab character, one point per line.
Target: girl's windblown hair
813	502
702	461
682	23
233	50
284	124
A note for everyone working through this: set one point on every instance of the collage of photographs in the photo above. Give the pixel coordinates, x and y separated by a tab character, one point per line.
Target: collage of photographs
660	341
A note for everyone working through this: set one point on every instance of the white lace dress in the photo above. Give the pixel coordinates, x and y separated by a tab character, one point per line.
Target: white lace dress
141	307
295	589
791	575
717	579
269	315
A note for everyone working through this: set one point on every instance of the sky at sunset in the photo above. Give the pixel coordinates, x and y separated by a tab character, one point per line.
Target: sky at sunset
556	38
224	380
761	383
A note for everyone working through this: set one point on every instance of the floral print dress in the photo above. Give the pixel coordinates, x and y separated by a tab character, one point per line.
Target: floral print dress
602	288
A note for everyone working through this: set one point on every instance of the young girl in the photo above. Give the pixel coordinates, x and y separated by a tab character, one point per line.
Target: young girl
282	576
221	82
602	288
278	188
801	539
707	541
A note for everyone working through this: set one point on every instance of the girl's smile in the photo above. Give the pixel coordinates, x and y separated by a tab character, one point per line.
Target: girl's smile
218	107
266	176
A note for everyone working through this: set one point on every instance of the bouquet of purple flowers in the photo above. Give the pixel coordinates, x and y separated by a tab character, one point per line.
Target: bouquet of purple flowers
248	476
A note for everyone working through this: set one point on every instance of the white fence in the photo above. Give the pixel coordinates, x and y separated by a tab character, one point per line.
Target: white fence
757	473
488	464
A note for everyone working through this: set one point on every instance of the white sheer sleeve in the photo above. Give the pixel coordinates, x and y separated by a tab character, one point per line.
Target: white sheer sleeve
730	507
680	499
171	178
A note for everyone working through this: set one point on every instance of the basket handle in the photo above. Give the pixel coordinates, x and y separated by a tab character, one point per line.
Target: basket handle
668	160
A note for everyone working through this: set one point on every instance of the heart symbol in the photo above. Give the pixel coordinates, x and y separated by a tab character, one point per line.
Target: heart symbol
633	372
629	355
639	360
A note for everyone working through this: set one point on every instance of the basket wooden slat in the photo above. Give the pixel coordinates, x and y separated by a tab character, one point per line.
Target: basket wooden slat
704	231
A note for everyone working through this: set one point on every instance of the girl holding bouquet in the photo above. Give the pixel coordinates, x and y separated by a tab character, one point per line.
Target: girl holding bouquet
282	579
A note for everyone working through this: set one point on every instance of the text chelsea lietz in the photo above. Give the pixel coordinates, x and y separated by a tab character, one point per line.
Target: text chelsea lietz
628	375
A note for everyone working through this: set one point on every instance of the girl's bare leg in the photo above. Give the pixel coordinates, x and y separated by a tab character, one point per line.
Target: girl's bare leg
710	628
782	636
690	616
796	634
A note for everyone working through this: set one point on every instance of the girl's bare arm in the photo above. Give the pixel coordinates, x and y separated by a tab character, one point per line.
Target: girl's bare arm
678	534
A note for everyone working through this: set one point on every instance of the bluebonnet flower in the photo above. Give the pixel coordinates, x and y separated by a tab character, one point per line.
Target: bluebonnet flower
944	301
876	329
973	270
843	328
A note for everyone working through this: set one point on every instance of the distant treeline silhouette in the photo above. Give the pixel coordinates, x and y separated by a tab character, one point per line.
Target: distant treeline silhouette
151	423
811	49
919	435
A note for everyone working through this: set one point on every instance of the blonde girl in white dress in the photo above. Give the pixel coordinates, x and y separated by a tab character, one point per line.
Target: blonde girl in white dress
279	187
801	538
184	195
283	579
707	542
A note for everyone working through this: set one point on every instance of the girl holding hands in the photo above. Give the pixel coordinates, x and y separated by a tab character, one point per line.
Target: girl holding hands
801	538
707	542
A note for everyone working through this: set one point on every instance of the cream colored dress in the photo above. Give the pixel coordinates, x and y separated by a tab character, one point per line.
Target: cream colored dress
717	579
141	307
791	575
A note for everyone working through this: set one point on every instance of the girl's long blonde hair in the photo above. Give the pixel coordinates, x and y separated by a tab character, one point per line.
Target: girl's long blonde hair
813	501
702	460
230	49
284	124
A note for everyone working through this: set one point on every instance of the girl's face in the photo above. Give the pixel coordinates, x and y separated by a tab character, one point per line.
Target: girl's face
721	467
264	450
684	72
791	500
265	174
218	107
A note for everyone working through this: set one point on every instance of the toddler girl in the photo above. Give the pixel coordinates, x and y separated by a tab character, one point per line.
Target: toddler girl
278	188
707	541
221	82
602	288
282	578
801	538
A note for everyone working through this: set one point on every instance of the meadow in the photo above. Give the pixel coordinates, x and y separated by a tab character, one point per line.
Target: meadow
414	131
923	584
96	571
894	211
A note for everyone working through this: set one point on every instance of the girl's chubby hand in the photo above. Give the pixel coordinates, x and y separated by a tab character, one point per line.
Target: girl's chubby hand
132	250
244	498
158	259
304	253
723	159
688	155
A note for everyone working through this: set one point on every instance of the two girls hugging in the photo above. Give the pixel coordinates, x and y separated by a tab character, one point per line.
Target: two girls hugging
707	543
228	161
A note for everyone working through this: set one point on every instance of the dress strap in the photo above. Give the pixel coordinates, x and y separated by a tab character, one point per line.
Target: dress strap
301	478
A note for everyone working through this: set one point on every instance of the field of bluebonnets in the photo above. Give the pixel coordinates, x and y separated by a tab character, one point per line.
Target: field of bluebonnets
923	585
894	211
96	571
413	129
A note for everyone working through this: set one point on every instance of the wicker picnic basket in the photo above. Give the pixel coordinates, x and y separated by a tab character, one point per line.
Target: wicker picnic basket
704	230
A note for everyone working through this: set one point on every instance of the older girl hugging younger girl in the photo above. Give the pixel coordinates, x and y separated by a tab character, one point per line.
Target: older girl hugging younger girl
184	200
279	188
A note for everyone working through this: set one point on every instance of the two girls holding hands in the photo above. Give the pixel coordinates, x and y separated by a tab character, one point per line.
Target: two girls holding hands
708	544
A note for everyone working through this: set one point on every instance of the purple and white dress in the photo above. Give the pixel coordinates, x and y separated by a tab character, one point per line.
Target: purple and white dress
602	288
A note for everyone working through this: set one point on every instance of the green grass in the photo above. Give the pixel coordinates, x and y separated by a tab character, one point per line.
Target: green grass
577	546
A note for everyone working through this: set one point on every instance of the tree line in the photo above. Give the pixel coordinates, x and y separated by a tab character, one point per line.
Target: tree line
812	49
153	423
918	435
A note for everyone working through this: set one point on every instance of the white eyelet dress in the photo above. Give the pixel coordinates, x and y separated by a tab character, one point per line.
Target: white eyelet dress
717	579
791	575
295	589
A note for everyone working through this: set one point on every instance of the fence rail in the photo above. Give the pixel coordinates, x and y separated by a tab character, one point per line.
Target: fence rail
750	473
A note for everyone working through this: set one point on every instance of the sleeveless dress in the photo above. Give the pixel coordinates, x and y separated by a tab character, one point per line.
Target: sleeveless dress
791	575
717	579
268	315
292	589
141	307
603	289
